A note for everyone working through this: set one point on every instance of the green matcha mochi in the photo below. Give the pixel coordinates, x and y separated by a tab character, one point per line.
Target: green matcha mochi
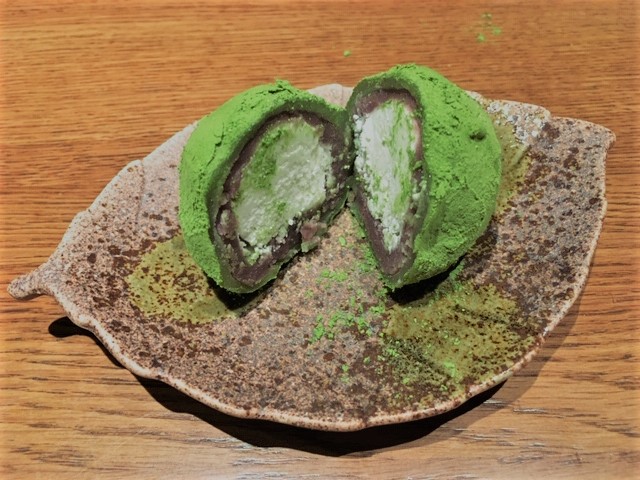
427	170
260	179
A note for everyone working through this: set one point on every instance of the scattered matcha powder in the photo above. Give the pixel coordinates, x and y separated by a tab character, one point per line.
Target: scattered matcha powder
341	320
334	275
487	28
345	374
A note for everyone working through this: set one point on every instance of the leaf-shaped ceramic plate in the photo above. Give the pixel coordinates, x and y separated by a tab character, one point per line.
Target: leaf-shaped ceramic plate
325	346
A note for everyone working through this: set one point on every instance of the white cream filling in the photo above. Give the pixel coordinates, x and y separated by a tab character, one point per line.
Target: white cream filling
386	141
303	172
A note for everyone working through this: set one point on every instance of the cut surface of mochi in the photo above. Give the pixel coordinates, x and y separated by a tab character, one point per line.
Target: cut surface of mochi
260	180
427	171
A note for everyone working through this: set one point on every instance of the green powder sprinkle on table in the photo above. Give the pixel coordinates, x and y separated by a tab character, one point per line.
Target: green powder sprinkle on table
487	28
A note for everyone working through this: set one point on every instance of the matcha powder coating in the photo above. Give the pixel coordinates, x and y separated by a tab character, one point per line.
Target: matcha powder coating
263	175
260	179
455	178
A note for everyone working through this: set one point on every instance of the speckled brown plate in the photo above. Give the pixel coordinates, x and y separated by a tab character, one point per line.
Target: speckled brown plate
325	346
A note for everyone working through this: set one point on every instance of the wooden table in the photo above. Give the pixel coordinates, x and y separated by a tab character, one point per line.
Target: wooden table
87	88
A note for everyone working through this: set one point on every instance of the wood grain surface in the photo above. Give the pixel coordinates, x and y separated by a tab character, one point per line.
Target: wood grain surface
88	87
